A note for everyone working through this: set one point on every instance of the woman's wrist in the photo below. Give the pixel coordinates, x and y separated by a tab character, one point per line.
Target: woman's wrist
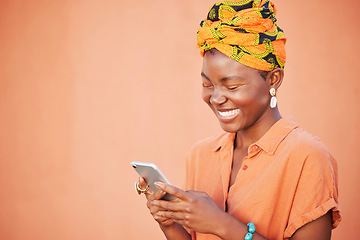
228	224
231	228
175	231
166	226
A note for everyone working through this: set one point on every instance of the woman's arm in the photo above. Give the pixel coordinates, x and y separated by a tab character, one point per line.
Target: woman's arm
198	212
175	232
319	229
232	229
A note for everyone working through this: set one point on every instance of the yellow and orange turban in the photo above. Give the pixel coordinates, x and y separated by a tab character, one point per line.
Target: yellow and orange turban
246	32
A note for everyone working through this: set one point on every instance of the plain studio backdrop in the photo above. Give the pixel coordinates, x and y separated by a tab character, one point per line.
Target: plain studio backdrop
86	87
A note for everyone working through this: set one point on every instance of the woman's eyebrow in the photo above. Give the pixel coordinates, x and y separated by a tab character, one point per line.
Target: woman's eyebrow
224	79
204	76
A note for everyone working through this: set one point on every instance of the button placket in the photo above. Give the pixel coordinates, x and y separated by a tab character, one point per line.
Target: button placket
244	163
253	152
226	155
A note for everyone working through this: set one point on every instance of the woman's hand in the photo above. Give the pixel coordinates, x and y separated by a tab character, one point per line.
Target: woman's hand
150	196
194	210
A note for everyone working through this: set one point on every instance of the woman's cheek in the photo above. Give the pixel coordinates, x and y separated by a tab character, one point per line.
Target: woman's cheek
206	96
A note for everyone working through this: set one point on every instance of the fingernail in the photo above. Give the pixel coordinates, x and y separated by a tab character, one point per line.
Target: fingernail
153	202
159	184
159	214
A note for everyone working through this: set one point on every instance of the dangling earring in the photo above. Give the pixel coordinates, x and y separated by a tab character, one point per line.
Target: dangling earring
273	100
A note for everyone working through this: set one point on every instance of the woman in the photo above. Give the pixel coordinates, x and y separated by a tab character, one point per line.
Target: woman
265	177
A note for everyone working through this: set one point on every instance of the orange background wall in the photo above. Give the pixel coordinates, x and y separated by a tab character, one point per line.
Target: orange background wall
86	87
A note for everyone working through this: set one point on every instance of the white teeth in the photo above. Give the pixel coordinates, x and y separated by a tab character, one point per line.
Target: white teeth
229	113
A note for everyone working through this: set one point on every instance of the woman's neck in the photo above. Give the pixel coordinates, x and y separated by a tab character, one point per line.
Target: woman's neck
246	137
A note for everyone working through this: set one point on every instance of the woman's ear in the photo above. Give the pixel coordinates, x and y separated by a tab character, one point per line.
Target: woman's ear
275	78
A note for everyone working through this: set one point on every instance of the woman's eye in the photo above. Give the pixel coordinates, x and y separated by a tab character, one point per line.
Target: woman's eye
233	87
206	85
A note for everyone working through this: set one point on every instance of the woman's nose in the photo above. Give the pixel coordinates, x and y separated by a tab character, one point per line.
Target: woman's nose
217	97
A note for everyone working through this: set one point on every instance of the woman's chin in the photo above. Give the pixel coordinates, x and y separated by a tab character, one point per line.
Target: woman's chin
230	128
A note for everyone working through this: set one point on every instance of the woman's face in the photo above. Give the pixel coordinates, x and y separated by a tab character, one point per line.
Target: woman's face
238	94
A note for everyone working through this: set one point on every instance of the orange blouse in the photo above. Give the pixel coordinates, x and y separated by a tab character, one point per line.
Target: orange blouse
287	179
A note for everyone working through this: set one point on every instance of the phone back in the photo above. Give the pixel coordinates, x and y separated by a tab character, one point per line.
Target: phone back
151	173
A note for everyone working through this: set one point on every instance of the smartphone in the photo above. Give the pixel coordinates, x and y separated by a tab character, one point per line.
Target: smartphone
151	173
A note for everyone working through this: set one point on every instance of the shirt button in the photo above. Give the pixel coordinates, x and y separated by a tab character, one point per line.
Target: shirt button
255	148
245	167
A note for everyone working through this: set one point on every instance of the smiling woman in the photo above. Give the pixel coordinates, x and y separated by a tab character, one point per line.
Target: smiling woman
242	87
82	95
265	177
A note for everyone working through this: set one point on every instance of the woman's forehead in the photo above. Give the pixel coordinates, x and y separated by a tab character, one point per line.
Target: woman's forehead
219	62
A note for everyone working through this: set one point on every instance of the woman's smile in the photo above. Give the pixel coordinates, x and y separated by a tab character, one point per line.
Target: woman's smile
227	115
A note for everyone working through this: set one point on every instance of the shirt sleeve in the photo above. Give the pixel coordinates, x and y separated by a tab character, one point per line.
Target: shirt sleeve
316	192
188	174
188	185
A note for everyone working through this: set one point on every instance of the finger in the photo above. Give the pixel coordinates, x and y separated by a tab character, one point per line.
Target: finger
183	223
163	221
153	210
158	194
168	222
170	206
143	185
159	218
176	216
176	192
198	193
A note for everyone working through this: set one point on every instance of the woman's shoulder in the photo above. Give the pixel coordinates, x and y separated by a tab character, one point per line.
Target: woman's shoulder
306	141
304	146
286	134
287	140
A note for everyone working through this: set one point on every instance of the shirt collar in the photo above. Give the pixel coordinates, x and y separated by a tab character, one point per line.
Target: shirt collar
226	139
276	134
269	142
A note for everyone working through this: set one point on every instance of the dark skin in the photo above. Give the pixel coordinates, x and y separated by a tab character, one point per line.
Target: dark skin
239	97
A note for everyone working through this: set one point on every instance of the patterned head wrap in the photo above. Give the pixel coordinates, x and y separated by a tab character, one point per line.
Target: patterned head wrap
246	32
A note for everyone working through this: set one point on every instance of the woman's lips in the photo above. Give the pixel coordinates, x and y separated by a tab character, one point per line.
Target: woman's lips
228	115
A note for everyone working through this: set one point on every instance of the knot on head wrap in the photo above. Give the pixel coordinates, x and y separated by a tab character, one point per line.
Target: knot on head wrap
246	32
